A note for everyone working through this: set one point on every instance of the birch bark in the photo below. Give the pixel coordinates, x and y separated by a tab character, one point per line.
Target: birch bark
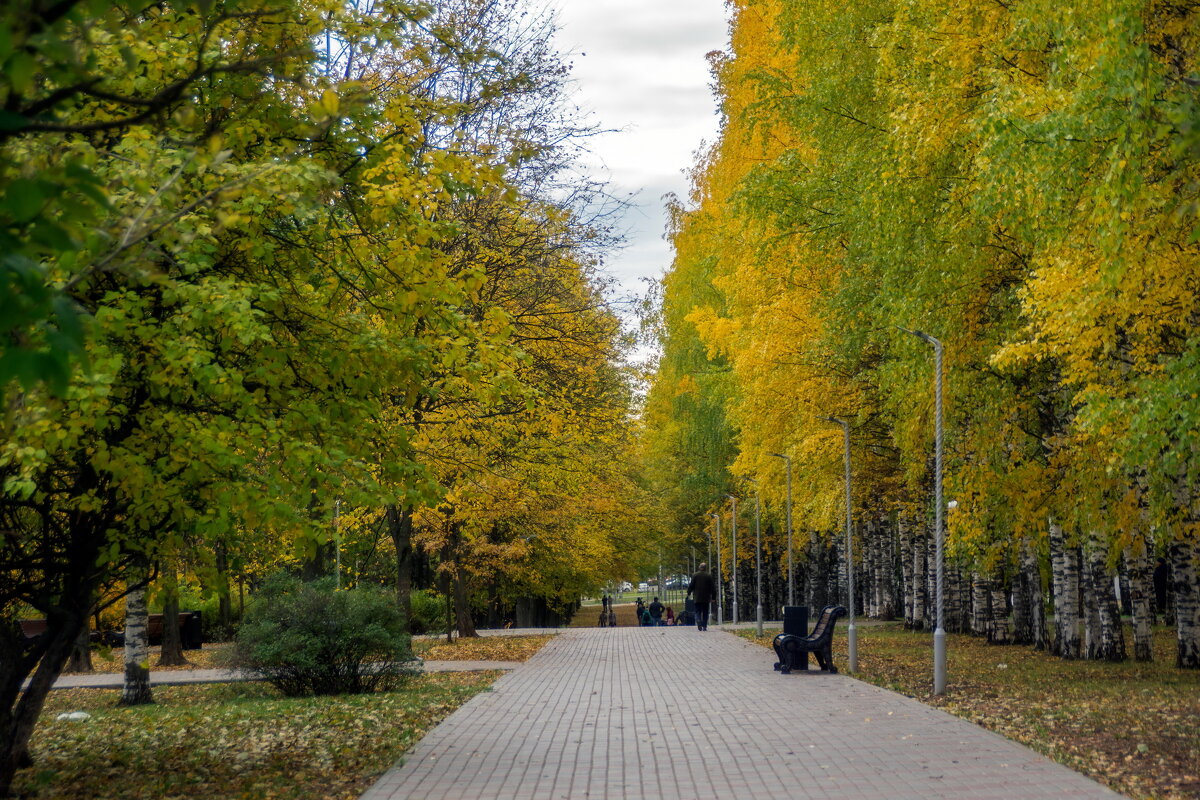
136	690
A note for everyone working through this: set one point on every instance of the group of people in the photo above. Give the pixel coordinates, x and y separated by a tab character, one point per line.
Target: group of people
655	613
702	588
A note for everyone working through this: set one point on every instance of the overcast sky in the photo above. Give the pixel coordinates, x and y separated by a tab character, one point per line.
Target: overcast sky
640	67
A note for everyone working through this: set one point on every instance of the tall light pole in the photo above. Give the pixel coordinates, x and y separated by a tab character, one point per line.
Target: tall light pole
758	611
851	631
939	634
791	572
720	588
733	565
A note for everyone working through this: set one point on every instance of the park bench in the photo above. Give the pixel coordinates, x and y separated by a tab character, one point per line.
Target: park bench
791	648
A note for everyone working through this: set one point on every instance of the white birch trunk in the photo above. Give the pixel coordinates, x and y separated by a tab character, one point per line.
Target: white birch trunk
1066	598
889	573
998	619
136	690
980	609
1137	556
1104	613
906	570
920	606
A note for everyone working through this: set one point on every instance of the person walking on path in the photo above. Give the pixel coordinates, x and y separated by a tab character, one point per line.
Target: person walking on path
702	589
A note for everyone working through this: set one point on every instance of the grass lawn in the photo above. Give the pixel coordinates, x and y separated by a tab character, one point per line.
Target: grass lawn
482	648
233	740
1134	727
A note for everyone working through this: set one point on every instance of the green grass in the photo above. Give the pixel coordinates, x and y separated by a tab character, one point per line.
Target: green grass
233	741
1133	726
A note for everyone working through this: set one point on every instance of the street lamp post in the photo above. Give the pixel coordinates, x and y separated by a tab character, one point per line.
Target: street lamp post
720	588
939	634
791	572
758	609
851	631
733	565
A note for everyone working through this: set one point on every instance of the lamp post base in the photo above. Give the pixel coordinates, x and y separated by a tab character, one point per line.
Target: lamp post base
852	646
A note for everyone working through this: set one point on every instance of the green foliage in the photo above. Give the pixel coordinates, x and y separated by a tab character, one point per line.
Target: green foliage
309	638
427	612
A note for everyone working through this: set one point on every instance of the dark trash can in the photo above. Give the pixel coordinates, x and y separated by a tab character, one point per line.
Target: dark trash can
192	635
688	616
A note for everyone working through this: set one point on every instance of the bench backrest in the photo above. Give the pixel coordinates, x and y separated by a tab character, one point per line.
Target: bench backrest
825	622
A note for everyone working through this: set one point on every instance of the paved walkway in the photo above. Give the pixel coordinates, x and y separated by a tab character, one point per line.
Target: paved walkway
676	713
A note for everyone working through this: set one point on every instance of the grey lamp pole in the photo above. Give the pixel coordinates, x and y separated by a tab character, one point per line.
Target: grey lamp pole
733	565
720	588
791	572
758	611
939	635
851	631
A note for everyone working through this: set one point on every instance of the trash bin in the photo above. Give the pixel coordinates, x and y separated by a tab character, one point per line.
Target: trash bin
688	617
795	623
192	634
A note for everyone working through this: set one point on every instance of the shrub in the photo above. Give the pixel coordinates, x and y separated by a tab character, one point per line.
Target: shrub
427	612
309	638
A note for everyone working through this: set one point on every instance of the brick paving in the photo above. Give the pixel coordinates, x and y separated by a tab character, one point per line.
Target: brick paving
675	713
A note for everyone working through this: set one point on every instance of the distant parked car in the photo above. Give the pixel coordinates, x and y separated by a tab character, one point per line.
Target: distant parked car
626	587
643	587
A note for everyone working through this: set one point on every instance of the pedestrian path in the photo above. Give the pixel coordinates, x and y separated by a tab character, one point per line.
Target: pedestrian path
625	713
178	677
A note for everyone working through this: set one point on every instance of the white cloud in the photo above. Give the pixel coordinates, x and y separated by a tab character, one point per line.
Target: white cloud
641	69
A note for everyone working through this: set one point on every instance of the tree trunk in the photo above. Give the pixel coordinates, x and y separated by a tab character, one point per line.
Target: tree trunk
136	690
887	567
998	619
1137	556
1035	606
170	654
906	571
1066	596
920	603
1110	643
1021	616
464	620
980	604
400	526
45	660
1182	557
81	652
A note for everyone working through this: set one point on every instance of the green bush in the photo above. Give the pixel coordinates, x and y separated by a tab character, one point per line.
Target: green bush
427	612
310	638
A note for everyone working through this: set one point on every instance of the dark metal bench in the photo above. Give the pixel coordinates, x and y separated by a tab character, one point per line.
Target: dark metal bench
790	648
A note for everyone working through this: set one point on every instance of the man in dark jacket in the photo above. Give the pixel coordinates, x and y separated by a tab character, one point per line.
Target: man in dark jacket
702	589
656	611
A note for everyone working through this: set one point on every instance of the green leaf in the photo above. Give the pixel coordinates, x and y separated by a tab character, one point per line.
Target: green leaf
20	71
23	200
